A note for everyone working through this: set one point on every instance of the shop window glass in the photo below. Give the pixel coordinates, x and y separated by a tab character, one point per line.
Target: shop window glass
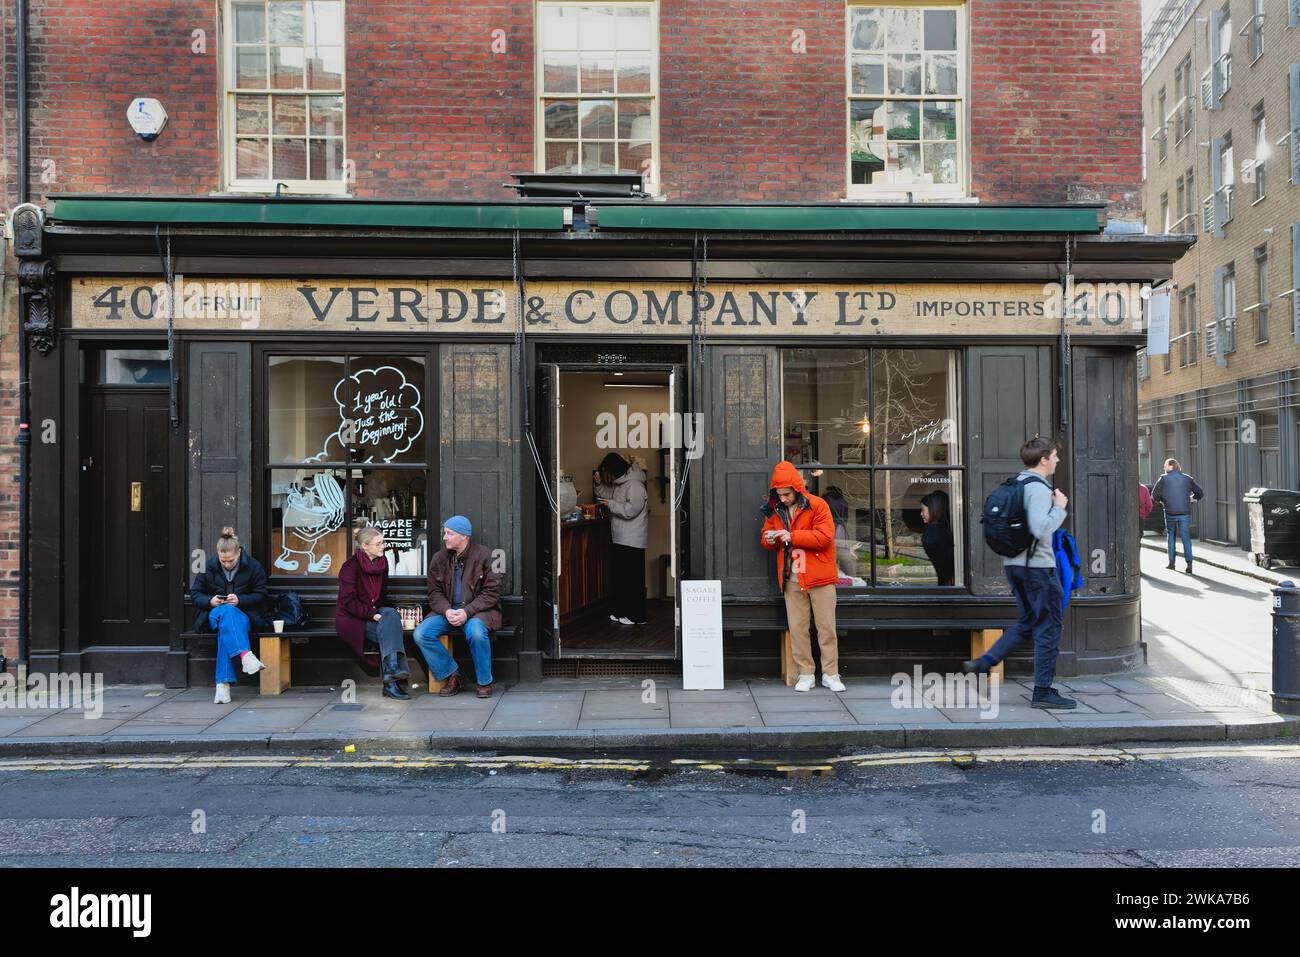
875	433
132	367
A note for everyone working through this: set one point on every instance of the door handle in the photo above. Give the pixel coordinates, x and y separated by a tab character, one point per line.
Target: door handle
135	496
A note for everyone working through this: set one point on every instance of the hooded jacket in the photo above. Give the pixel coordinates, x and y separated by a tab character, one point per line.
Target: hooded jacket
629	518
812	532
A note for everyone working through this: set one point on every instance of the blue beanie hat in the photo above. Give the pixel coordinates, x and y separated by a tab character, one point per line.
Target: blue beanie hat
460	525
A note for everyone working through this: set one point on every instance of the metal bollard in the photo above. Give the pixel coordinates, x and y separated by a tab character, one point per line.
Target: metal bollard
1286	648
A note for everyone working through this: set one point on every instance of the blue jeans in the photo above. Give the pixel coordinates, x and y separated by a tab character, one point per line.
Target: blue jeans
1180	525
1038	596
428	634
231	626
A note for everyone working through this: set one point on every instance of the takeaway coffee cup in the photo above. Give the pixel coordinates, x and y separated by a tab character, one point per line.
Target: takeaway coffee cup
278	625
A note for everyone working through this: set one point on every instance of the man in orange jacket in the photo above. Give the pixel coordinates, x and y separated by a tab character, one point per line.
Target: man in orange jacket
801	530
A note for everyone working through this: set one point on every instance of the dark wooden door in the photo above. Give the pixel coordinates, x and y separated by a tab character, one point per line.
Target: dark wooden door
127	526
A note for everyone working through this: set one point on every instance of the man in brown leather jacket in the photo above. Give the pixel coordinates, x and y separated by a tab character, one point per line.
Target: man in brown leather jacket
465	593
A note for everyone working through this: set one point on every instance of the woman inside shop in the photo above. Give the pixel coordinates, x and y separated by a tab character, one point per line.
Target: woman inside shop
231	593
363	613
620	486
936	538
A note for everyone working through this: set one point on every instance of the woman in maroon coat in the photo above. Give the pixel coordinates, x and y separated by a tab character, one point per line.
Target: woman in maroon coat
363	612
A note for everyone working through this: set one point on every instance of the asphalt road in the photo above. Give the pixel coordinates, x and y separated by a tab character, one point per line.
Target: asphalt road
1220	805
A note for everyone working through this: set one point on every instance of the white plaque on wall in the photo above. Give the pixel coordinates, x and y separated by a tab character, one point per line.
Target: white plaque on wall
701	635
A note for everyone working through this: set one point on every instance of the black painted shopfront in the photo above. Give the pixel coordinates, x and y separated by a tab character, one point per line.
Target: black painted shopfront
393	364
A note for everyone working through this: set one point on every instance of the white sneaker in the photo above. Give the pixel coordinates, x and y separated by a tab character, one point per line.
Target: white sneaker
223	693
251	664
613	617
805	683
624	621
833	682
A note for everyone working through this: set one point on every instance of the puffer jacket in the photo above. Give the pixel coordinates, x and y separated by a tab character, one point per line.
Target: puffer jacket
812	532
629	517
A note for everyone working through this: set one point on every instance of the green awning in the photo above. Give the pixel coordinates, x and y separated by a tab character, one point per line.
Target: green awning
848	218
87	211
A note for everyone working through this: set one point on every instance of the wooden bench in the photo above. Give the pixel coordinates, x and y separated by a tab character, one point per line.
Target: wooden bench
981	640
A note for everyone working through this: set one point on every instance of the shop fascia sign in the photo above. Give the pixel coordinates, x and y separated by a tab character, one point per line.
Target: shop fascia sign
726	309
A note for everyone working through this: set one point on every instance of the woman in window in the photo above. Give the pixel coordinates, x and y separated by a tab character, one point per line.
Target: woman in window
230	594
363	613
620	487
936	537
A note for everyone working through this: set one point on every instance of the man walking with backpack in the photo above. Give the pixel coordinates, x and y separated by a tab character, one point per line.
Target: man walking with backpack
1177	490
1026	511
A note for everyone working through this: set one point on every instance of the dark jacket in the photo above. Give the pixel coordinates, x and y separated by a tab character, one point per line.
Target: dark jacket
249	585
1176	490
354	609
936	539
481	591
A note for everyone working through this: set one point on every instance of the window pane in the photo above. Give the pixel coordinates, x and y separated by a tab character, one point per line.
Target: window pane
633	30
941	162
598	158
562	157
309	534
287	68
827	418
250	22
867	73
940	120
909	550
386	405
906	157
597	74
560	119
941	73
326	157
848	495
289	115
325	68
597	118
394	502
941	29
132	367
903	29
326	115
632	158
250	67
905	73
633	74
634	120
289	158
303	412
913	408
866	138
596	29
867	29
286	21
559	28
250	114
560	73
325	22
904	119
252	158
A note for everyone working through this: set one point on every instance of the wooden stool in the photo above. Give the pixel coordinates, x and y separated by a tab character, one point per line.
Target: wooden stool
980	642
273	649
435	685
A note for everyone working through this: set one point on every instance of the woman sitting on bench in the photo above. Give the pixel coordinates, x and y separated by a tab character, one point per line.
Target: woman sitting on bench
230	593
364	614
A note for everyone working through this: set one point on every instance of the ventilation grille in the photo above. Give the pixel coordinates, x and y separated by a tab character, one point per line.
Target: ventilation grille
603	668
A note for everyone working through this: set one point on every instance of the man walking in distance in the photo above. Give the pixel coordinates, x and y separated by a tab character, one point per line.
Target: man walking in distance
1177	490
1033	578
800	529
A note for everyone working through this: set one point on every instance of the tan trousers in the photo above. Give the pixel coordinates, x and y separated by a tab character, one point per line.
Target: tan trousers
820	603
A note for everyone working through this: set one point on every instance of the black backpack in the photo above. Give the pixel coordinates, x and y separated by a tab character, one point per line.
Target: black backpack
1006	529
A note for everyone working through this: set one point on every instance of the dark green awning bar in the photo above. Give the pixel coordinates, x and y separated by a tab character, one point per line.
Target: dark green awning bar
341	213
1003	219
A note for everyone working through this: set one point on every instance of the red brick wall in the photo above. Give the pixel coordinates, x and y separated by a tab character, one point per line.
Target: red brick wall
434	112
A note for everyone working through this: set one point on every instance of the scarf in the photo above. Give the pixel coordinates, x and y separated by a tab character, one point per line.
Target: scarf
373	571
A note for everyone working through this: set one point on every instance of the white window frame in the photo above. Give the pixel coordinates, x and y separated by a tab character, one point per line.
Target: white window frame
290	187
653	182
961	191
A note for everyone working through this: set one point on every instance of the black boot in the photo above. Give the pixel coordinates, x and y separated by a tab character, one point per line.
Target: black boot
1050	698
402	672
392	689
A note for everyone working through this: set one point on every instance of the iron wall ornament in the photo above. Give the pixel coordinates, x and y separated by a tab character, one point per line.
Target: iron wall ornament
26	224
36	281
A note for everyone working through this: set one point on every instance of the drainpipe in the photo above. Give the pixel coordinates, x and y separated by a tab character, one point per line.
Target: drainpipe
24	411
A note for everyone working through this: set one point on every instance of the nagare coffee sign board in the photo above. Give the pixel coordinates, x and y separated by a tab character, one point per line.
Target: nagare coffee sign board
579	307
